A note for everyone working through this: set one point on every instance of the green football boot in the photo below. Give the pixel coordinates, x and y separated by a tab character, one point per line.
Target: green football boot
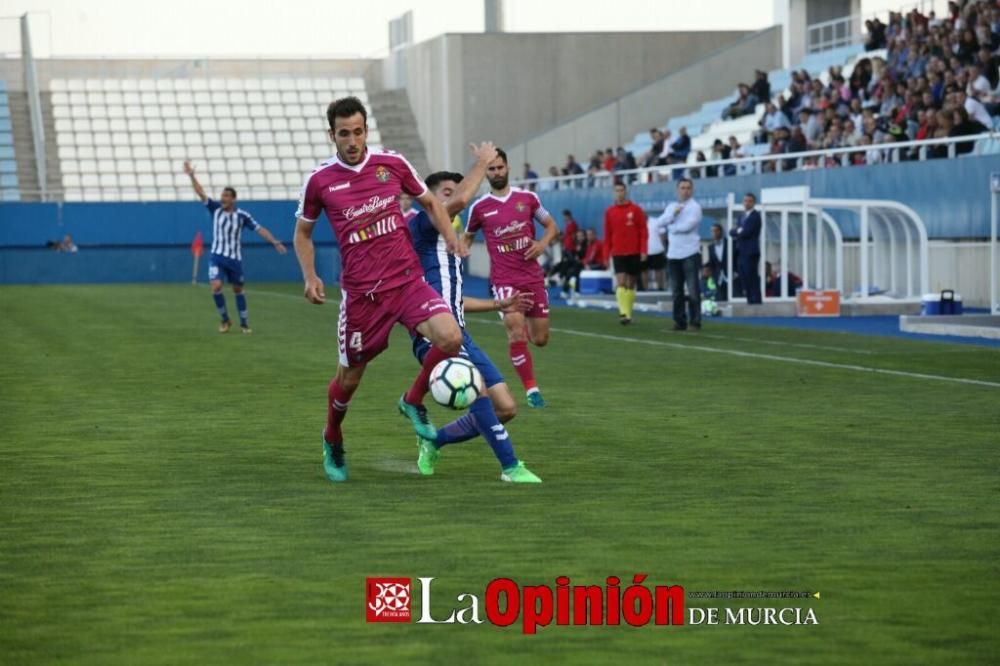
417	414
427	457
519	474
334	472
535	399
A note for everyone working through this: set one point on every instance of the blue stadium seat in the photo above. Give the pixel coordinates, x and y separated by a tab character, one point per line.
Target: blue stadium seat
3	85
4	111
5	125
8	180
6	152
8	166
10	195
6	139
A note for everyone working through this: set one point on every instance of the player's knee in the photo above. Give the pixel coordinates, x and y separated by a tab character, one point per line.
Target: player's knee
505	411
450	342
540	339
237	289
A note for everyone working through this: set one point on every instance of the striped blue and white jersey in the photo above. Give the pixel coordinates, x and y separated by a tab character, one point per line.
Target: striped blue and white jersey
442	271
226	229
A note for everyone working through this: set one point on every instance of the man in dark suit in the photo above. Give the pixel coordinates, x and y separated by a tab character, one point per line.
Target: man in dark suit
718	262
746	242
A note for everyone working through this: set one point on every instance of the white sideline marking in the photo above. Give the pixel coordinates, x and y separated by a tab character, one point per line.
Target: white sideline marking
784	359
742	354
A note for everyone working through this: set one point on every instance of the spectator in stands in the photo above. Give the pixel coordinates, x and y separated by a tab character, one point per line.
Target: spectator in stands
744	104
67	245
573	168
680	148
570	227
746	244
530	174
681	221
876	35
963	125
943	130
718	263
989	64
649	158
593	259
811	127
610	160
625	161
720	151
772	120
974	107
761	88
549	185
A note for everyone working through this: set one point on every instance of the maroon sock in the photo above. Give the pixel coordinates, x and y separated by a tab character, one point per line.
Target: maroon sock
415	396
336	410
521	358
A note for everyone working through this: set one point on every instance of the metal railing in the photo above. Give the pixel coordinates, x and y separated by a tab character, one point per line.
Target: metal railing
838	32
777	162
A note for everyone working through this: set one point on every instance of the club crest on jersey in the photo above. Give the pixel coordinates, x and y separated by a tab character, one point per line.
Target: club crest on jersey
521	207
382	174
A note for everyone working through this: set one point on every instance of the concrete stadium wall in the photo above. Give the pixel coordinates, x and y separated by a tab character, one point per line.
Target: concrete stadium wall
616	122
507	87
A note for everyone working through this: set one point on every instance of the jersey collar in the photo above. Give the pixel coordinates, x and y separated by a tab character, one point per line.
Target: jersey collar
356	168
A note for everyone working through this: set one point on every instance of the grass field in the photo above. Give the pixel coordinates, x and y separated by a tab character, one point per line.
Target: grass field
162	499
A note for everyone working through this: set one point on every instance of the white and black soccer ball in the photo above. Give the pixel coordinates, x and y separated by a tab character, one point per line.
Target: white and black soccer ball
456	383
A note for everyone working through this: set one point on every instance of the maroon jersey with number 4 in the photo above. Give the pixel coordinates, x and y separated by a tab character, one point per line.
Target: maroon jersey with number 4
362	203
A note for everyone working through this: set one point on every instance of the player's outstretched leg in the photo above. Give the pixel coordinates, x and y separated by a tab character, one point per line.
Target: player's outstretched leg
446	340
339	394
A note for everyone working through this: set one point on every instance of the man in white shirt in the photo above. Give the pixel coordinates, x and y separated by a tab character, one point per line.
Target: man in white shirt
656	258
681	220
975	108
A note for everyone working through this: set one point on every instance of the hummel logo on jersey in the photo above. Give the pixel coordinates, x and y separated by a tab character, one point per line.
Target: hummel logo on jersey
342	186
491	213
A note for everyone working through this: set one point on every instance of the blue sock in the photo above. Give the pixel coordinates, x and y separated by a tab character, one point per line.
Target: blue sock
220	305
461	429
492	430
241	307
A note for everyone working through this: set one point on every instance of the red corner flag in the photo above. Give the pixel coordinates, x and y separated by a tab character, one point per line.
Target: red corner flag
197	245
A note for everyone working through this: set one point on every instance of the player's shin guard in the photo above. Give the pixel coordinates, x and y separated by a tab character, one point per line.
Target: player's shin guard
241	307
415	396
520	357
336	409
493	431
461	429
220	305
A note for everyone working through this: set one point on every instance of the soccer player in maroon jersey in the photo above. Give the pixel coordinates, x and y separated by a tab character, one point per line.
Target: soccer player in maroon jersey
382	281
507	216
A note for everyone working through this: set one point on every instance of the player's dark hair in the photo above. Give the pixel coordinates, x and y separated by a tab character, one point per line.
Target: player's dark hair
502	155
231	190
438	177
567	212
621	183
345	107
751	195
685	180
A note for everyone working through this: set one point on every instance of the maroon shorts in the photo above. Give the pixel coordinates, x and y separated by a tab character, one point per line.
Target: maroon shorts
540	296
366	320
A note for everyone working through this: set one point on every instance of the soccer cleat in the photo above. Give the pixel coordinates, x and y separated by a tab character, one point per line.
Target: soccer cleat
427	457
417	414
625	321
535	399
519	474
225	326
334	472
680	327
245	330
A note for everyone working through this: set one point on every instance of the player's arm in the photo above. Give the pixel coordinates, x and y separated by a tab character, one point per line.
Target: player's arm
686	223
518	302
305	251
484	153
442	222
537	248
198	189
269	237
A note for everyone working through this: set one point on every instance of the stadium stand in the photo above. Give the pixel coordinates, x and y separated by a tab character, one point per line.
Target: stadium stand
124	139
8	165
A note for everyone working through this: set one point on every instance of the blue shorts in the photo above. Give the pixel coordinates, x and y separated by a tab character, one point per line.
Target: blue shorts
491	374
226	269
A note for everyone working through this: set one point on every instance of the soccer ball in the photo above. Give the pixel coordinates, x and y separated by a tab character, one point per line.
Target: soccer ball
456	383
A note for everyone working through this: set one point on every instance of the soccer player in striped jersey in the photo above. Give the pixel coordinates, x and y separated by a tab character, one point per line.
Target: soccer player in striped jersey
226	258
443	271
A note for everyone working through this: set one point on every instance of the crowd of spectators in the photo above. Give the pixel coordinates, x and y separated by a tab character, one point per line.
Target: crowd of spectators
940	77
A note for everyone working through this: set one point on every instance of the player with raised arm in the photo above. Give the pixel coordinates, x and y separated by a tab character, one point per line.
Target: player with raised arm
382	281
507	216
226	257
444	272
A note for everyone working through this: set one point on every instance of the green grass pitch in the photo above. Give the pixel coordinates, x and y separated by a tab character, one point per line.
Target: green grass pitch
162	499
